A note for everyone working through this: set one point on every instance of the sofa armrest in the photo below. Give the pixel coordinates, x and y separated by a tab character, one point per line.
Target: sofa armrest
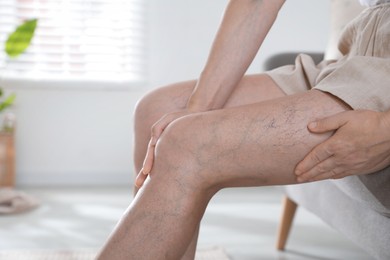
287	58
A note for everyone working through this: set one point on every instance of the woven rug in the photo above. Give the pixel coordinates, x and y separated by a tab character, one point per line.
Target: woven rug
215	253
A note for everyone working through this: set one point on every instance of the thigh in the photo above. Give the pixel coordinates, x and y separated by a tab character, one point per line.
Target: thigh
251	145
174	97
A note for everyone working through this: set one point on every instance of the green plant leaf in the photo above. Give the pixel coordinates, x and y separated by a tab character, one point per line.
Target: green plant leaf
20	39
7	102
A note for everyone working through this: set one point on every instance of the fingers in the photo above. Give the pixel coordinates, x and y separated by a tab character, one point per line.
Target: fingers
311	164
157	129
329	123
319	164
156	132
325	169
149	158
160	126
147	166
140	179
332	174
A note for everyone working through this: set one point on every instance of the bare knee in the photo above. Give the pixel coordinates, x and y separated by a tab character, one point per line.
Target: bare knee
161	101
178	154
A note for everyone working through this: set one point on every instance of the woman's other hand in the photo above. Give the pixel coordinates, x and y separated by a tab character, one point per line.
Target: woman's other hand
360	145
156	131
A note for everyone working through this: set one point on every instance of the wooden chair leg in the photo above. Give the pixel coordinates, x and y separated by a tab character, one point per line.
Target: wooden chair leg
289	208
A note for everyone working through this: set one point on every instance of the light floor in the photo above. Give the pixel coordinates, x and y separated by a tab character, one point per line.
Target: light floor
243	221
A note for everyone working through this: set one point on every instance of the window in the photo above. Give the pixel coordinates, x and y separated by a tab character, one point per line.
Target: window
77	39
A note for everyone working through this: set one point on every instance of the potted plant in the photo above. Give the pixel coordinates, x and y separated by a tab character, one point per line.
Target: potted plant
17	42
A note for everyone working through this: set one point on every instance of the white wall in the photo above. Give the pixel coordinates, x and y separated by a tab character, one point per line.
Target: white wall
182	32
83	135
73	137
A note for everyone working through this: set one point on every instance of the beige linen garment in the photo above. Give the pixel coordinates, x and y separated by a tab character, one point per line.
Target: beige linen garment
361	78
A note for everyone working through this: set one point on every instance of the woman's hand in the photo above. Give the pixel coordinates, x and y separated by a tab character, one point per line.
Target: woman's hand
360	145
245	23
157	129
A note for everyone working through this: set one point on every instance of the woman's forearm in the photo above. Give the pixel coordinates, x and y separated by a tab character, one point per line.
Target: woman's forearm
242	31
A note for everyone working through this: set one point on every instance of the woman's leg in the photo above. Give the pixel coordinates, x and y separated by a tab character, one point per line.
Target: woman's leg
198	155
251	89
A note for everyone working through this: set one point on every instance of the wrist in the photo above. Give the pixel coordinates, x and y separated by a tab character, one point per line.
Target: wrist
198	102
204	96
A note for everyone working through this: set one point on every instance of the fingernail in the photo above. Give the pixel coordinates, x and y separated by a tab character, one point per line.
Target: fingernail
137	183
312	125
144	172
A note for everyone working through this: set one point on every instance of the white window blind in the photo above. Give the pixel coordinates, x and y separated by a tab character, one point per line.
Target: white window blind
77	39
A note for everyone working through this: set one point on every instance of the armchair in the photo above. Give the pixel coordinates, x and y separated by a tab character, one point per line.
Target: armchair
347	205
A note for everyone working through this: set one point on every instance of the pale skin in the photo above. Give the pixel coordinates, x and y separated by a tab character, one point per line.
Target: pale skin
222	130
361	145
